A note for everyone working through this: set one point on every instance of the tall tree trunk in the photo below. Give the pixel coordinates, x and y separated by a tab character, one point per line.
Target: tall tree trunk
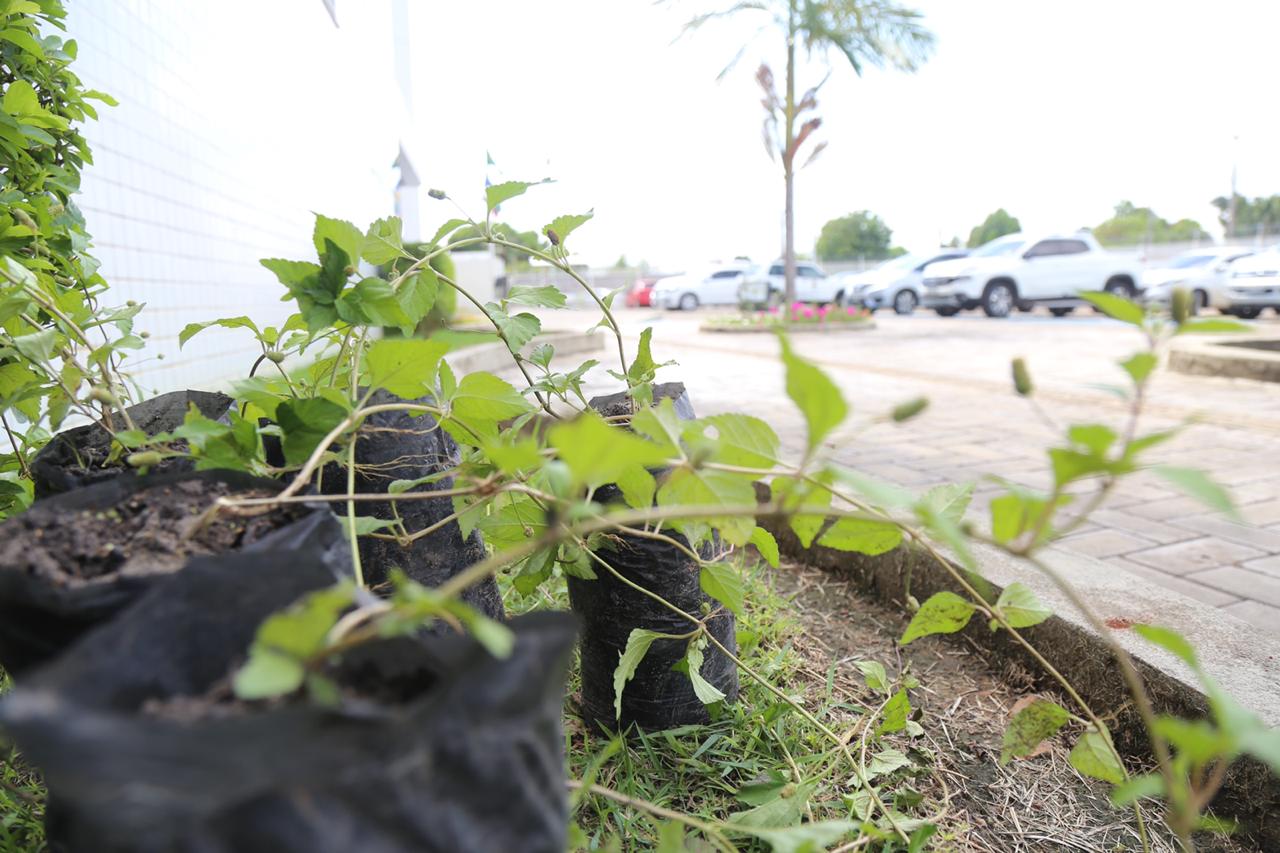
788	160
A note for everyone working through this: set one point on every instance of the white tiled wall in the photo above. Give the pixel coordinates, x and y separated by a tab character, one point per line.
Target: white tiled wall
237	119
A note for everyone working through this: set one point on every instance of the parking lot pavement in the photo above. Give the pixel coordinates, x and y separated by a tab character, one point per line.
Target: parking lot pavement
975	426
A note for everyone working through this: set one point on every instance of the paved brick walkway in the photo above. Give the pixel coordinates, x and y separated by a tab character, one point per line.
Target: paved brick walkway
976	429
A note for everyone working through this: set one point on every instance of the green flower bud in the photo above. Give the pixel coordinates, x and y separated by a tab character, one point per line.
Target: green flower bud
1181	305
908	410
1022	378
436	194
144	459
24	219
275	356
349	269
103	395
132	304
144	335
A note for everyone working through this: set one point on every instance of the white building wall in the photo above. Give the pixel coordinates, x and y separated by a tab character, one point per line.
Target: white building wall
237	119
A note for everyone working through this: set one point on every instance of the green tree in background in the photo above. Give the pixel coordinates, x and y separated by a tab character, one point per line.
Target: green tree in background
877	33
1130	225
1261	214
996	224
855	235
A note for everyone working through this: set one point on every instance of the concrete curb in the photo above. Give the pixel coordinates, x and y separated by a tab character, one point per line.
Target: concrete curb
1227	355
1243	660
495	357
859	326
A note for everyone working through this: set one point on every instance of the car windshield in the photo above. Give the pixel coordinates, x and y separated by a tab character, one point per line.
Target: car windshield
999	247
1186	262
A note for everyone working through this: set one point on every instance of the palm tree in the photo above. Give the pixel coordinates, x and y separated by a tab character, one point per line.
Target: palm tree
875	33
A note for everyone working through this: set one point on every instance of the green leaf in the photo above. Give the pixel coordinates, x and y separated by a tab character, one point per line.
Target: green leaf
642	371
446	229
482	400
382	242
949	501
24	40
305	423
688	487
563	226
1092	756
1137	788
372	301
365	524
598	453
1096	438
192	329
37	346
638	642
779	811
797	496
742	441
417	295
343	234
921	837
1037	721
804	838
268	674
498	193
292	274
862	535
513	520
896	712
886	761
1017	512
638	487
874	673
661	425
537	568
767	546
1198	485
707	693
1139	366
1116	307
1020	607
517	330
670	838
817	397
942	613
406	367
1170	641
546	296
722	582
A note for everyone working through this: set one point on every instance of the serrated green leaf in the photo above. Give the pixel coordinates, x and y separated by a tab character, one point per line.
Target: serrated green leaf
417	295
1139	366
1199	485
512	520
406	367
37	346
366	524
742	441
1092	756
1170	641
1095	438
1020	607
382	242
1116	307
661	425
563	226
777	812
895	714
862	536
804	838
598	453
688	487
305	423
498	193
638	643
815	395
343	234
481	401
942	613
886	761
268	674
192	329
949	501
638	487
546	296
1031	725
707	693
722	582
807	505
874	674
1137	788
517	330
767	546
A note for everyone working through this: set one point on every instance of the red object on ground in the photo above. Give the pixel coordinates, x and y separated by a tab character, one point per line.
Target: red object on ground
641	293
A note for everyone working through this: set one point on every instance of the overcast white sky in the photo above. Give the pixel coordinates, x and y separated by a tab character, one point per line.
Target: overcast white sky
1054	111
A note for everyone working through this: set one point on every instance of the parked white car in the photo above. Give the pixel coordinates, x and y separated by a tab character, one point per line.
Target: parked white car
711	285
1202	272
897	283
1254	284
1021	271
812	285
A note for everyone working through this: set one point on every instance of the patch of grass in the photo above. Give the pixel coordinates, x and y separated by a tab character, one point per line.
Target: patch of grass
21	799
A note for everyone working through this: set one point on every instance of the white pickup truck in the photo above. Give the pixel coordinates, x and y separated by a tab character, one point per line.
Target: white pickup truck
1020	271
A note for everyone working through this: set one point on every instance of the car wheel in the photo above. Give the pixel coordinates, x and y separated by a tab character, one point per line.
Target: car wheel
905	302
688	302
1246	313
946	312
1060	312
998	299
1118	287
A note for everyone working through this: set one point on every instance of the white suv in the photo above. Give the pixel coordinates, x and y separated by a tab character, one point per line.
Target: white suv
1254	285
1204	273
1017	271
812	285
712	285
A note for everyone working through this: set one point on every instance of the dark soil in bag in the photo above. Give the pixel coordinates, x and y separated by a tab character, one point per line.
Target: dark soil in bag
394	446
78	457
75	560
435	746
658	697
